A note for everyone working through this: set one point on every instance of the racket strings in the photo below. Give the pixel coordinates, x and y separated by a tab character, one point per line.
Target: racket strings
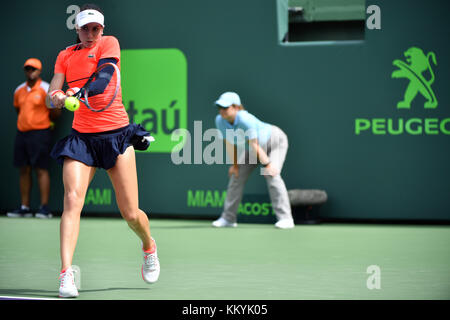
108	92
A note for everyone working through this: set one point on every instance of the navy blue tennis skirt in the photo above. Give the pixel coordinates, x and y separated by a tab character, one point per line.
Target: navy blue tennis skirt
100	149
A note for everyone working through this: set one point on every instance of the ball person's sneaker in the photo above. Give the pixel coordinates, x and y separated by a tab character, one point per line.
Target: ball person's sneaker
223	223
67	287
44	212
285	224
151	268
22	212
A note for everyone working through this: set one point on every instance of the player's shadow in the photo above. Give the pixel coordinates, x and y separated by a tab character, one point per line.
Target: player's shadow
111	289
195	226
38	293
206	224
242	225
30	293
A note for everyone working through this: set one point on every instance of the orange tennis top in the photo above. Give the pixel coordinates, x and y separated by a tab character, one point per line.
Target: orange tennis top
77	64
33	113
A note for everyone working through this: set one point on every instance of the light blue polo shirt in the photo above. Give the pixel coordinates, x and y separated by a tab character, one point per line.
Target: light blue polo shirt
245	127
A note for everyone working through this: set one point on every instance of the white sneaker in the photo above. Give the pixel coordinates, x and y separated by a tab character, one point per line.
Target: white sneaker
221	223
67	287
285	224
151	268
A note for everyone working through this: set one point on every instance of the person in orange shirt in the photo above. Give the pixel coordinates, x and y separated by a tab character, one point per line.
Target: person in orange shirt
33	139
98	140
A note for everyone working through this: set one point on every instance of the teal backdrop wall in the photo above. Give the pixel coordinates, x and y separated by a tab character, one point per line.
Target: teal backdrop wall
322	94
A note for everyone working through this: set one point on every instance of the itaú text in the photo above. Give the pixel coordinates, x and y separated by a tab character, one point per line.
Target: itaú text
412	126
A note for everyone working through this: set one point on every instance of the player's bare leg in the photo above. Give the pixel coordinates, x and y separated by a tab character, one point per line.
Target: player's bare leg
124	179
76	179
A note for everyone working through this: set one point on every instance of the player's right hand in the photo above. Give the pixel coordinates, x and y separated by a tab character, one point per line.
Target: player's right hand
57	98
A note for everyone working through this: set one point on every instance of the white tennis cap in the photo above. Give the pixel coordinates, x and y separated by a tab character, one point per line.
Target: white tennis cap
88	16
227	99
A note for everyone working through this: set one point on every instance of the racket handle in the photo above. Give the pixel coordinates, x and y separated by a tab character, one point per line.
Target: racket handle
80	93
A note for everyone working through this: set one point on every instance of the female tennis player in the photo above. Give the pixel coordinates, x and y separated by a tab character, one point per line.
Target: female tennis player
264	143
98	140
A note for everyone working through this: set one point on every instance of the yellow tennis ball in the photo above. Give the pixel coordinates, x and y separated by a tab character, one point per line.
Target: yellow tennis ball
72	103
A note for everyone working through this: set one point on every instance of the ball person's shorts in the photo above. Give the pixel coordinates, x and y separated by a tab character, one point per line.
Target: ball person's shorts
32	148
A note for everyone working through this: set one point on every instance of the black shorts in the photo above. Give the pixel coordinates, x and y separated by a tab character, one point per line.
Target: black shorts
100	149
32	148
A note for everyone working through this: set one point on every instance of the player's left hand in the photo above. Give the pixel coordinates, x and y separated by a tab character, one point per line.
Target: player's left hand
72	91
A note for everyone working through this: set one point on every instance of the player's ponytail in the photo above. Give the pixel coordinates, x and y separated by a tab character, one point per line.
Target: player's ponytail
91	6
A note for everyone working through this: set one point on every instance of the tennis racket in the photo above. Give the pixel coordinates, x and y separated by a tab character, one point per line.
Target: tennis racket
101	101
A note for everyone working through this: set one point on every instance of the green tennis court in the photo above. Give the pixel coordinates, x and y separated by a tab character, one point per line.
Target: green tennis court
253	261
